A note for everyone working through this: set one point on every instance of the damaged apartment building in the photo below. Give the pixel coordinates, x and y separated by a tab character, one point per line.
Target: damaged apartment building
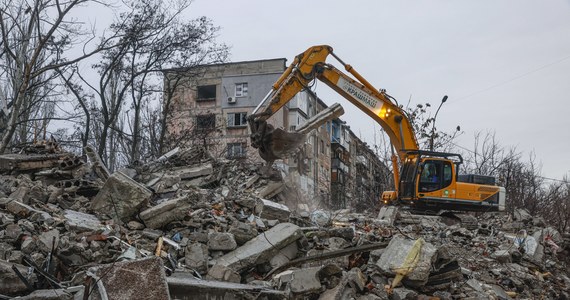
209	105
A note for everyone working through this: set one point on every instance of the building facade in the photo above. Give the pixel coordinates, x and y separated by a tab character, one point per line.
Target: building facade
210	105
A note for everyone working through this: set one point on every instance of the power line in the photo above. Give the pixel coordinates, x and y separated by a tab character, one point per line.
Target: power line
512	79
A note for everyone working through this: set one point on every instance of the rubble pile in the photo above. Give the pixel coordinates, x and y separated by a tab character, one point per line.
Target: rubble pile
189	226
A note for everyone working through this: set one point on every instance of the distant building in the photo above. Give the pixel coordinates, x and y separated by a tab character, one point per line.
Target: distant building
210	105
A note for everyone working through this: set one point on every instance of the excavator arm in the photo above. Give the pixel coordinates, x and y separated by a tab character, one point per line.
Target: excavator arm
311	65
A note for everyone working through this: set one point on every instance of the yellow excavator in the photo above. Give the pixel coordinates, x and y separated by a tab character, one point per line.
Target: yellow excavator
423	180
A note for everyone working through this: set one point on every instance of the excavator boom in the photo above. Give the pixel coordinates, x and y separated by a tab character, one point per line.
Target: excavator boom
429	179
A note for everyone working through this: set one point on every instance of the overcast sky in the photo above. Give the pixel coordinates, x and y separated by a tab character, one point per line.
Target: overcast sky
505	65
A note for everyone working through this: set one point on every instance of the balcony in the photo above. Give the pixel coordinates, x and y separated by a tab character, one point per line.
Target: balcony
339	164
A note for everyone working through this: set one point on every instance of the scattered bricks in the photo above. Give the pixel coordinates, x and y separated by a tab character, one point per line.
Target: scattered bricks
272	211
167	211
136	279
262	248
223	273
196	257
81	222
221	241
395	259
45	241
121	197
9	282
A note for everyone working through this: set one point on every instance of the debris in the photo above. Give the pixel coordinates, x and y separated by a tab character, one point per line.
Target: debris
261	248
121	197
136	279
272	211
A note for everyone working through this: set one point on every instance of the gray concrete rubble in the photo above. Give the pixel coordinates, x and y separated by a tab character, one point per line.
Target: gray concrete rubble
272	211
121	197
189	225
262	248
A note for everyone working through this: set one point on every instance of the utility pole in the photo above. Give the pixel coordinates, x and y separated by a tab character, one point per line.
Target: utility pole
433	123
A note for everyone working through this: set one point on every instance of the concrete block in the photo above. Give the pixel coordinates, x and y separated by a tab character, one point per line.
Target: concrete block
9	282
262	248
121	197
272	211
81	222
387	215
395	256
186	173
135	279
166	212
196	257
522	215
223	273
285	255
45	240
223	241
272	189
243	232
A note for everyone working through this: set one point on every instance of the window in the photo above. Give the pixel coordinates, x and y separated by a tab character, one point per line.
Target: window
241	89
237	119
236	150
205	122
206	92
322	146
431	178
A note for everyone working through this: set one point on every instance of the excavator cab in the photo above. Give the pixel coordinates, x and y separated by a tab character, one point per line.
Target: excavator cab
429	181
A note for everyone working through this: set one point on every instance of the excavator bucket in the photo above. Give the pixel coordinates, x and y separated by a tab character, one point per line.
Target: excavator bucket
278	143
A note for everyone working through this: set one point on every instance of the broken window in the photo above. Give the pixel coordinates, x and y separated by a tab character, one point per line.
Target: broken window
237	119
237	150
206	92
241	89
205	122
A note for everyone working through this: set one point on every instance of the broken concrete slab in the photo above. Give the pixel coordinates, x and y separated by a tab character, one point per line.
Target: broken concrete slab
196	257
387	215
48	241
223	273
270	210
166	212
137	279
222	241
22	210
271	189
121	197
243	232
301	281
185	286
81	222
262	248
54	294
10	283
400	256
187	173
522	215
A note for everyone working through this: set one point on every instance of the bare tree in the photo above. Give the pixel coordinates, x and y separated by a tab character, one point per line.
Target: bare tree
37	37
